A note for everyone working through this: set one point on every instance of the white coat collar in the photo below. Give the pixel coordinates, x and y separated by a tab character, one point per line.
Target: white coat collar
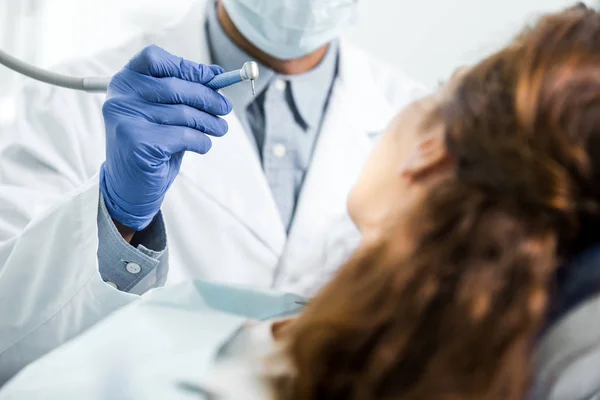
357	112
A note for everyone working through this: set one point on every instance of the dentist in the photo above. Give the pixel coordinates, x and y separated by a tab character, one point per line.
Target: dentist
260	195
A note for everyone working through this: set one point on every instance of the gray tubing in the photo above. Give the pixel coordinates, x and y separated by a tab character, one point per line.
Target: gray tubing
70	82
95	84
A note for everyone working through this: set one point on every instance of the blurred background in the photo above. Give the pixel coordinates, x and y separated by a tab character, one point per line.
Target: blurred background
426	39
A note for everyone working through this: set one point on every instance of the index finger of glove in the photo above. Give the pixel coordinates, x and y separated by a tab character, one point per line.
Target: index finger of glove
159	63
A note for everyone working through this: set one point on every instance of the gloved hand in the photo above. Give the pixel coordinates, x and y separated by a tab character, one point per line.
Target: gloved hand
157	108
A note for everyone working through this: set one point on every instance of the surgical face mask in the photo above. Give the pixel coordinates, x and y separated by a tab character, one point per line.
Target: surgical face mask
288	29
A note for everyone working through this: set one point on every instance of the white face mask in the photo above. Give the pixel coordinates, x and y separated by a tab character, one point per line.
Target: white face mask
288	29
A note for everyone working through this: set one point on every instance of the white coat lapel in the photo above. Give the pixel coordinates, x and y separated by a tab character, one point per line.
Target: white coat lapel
357	112
231	175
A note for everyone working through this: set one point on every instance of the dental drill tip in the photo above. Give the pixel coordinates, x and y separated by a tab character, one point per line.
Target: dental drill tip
253	90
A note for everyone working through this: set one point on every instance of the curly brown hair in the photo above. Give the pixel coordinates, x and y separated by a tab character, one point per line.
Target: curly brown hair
457	319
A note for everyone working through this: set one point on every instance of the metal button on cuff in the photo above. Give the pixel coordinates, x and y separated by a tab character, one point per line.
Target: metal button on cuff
133	268
279	150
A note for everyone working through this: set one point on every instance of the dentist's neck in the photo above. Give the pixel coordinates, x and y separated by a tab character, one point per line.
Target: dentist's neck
285	67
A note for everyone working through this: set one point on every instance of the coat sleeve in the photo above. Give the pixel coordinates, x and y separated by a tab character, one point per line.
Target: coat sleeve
54	145
50	287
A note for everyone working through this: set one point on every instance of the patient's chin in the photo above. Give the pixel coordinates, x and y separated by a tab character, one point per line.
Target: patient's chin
353	204
280	328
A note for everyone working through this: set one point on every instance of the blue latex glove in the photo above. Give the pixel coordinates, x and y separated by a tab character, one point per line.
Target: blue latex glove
157	108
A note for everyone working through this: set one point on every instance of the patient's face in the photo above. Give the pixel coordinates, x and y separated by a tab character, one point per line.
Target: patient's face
408	160
386	188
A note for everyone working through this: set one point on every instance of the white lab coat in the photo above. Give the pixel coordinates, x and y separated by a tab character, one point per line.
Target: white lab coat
190	335
221	220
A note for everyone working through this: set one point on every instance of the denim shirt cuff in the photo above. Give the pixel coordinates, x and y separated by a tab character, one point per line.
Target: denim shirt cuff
135	267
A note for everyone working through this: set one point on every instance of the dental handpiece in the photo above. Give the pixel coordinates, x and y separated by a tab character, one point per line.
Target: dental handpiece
249	71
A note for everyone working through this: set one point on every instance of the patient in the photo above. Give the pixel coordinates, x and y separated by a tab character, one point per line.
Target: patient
468	206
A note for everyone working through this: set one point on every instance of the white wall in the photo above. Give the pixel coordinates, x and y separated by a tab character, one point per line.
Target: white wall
429	38
17	22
